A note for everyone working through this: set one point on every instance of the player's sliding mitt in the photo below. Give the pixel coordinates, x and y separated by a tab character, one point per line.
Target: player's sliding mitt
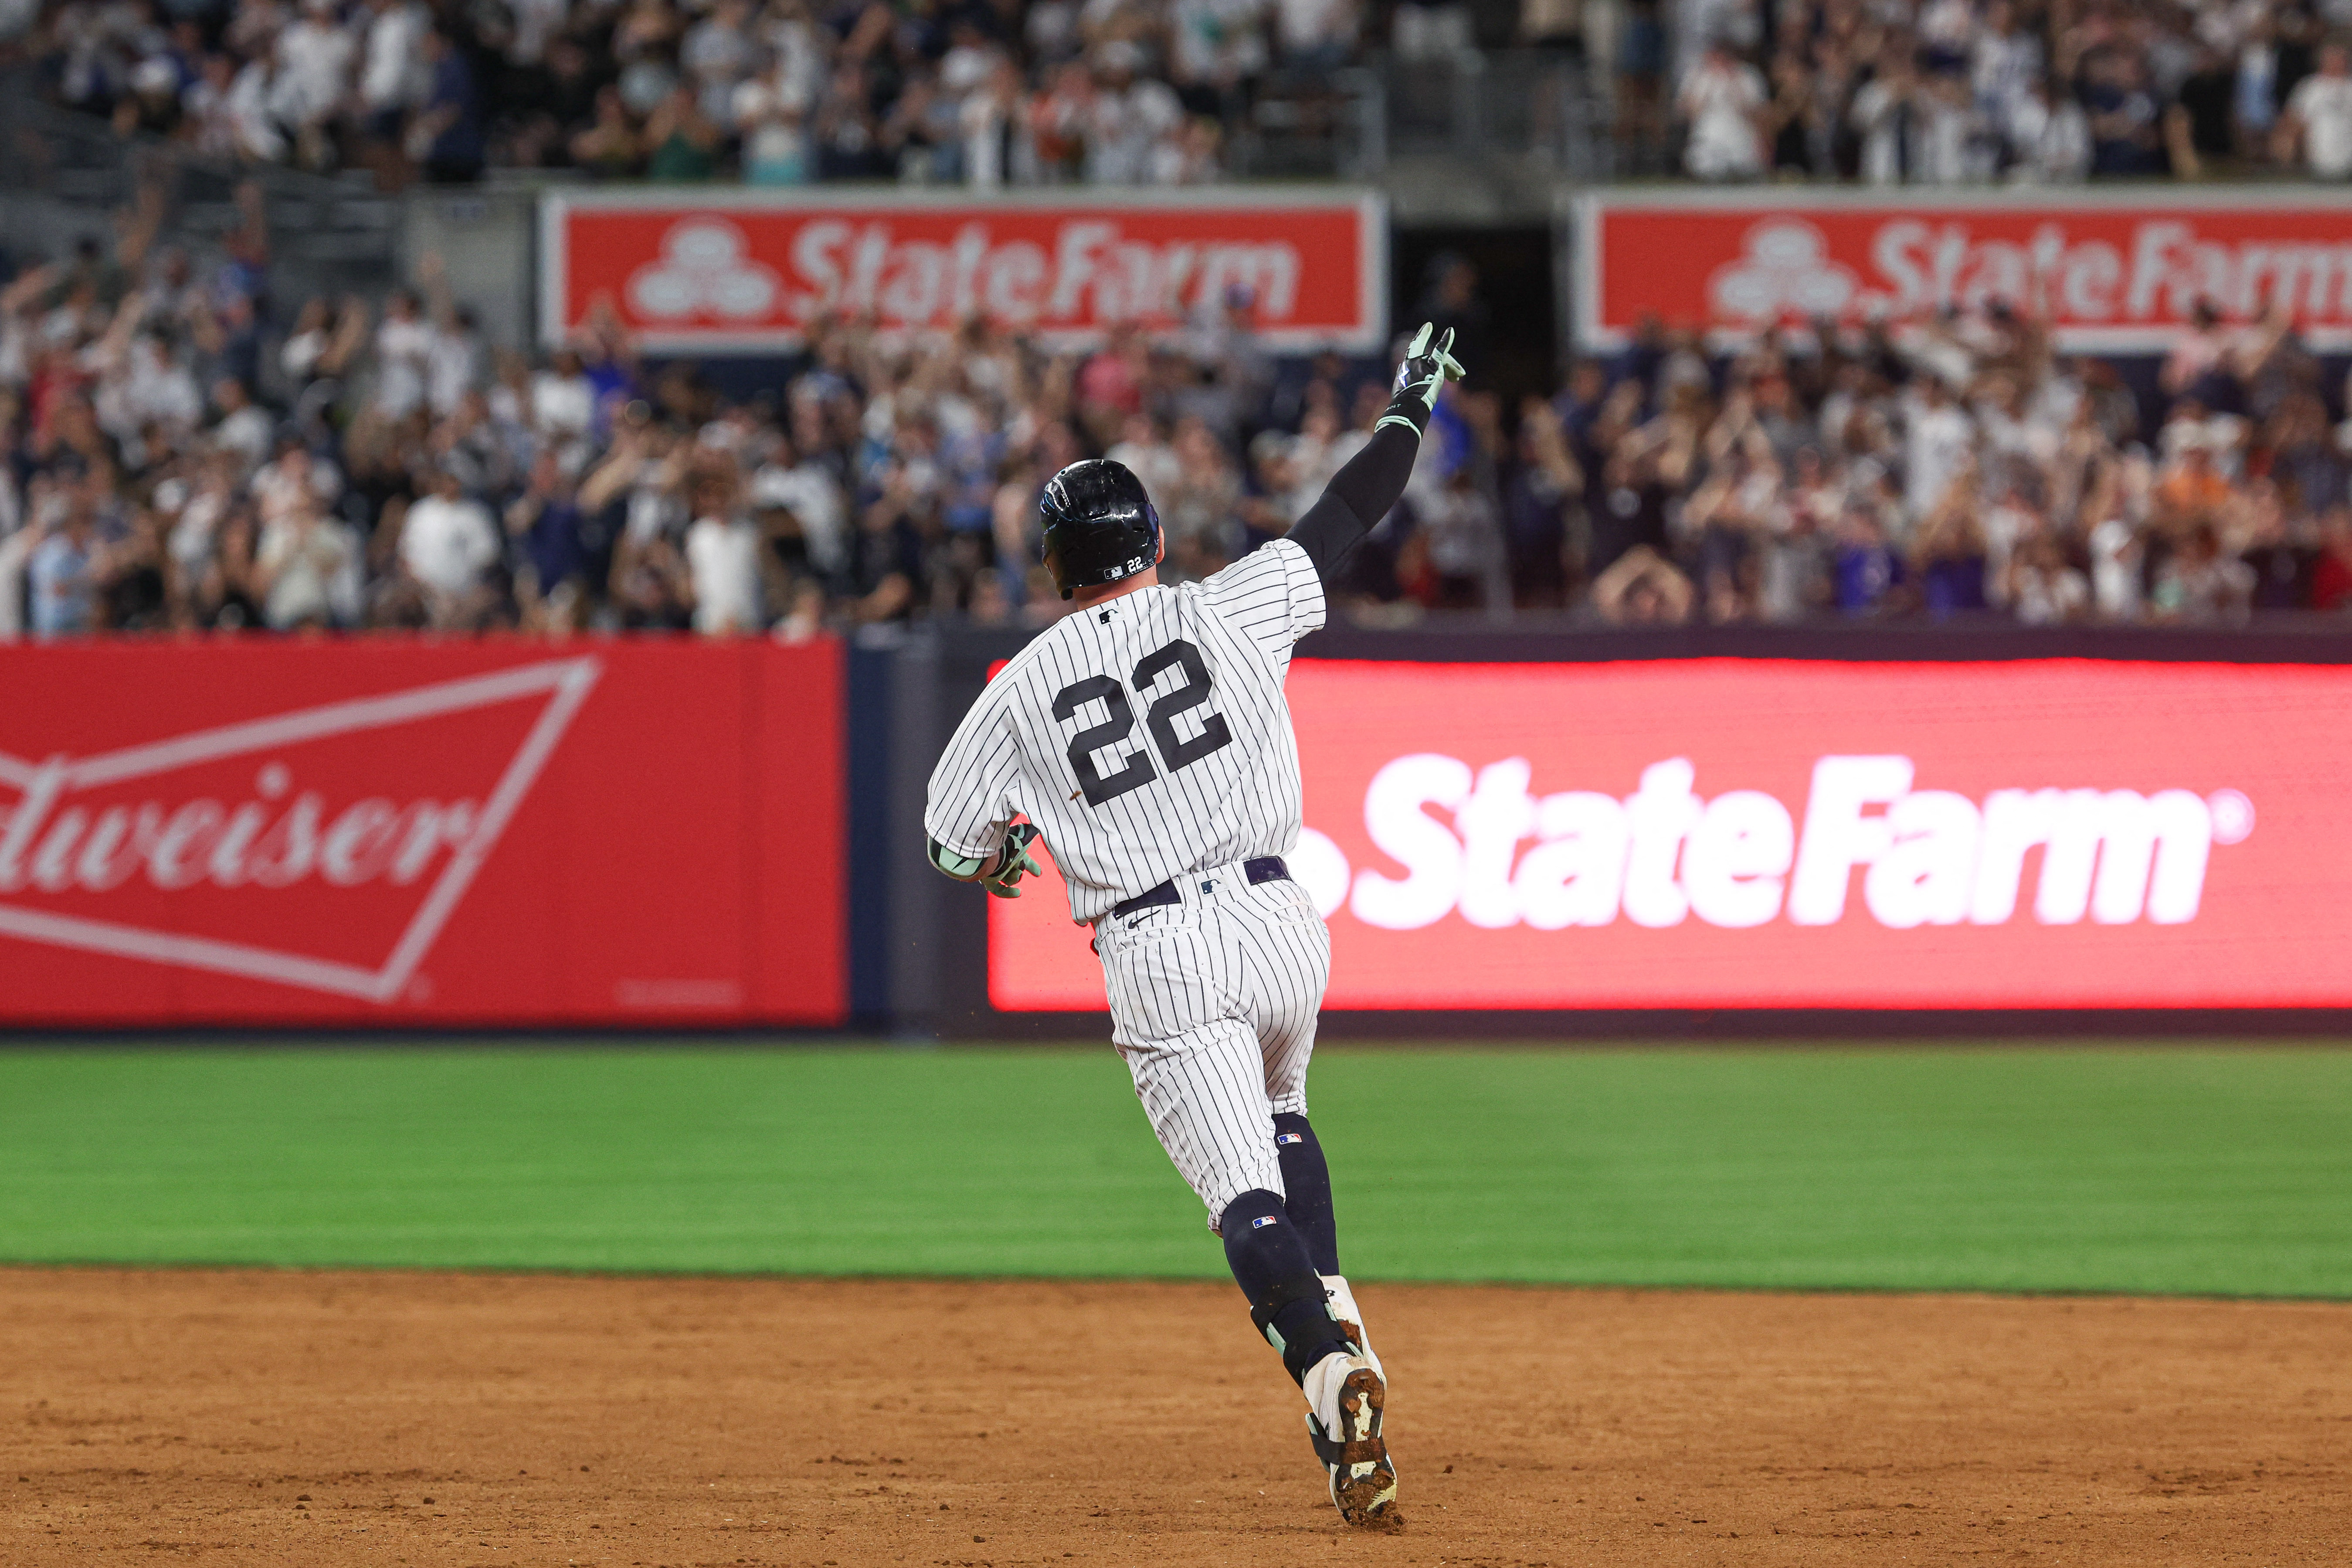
1427	367
1014	862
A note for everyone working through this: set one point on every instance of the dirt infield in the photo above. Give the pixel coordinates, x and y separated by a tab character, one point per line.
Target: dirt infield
325	1419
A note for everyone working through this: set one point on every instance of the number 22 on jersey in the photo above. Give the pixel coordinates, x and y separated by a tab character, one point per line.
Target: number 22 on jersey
1135	769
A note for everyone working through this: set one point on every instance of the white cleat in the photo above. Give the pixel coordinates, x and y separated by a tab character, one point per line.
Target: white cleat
1340	1302
1345	1395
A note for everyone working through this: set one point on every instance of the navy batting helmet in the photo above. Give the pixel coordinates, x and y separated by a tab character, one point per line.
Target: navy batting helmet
1099	525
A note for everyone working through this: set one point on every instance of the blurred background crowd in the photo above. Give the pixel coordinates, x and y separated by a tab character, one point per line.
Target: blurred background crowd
184	452
776	92
1952	91
188	447
1142	92
1940	468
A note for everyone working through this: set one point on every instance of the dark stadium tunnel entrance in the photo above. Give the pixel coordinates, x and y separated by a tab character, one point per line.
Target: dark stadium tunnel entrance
1506	331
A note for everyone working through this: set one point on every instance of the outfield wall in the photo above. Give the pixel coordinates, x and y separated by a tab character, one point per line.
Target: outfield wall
1759	831
1508	832
393	833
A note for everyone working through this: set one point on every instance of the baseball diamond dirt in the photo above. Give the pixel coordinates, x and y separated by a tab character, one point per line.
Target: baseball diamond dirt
381	1418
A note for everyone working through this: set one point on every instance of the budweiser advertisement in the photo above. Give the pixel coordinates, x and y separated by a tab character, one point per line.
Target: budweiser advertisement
2110	272
748	270
1784	834
392	833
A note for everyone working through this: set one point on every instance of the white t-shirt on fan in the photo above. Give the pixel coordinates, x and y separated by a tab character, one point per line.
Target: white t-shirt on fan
723	556
2324	105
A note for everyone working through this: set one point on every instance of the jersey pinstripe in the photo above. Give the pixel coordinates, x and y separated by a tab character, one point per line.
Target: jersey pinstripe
1145	737
1212	1003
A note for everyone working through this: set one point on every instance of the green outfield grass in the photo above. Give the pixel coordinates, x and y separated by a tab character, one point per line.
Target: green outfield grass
2167	1169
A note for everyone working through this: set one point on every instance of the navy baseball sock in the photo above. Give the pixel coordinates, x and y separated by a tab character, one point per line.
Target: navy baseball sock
1307	1187
1271	1263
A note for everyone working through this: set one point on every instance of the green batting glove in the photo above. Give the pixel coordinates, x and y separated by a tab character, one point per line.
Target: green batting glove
1016	862
1427	367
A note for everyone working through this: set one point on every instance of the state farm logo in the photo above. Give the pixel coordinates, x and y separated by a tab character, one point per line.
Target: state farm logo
323	849
1665	854
706	267
2131	275
1067	272
1786	270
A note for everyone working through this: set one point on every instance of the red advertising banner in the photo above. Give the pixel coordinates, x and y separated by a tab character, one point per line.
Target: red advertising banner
748	270
1785	834
391	832
2110	272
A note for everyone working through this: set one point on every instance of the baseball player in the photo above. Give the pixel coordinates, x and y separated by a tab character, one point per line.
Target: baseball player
1146	739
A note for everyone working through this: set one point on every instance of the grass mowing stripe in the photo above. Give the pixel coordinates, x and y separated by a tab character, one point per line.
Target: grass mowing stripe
2102	1169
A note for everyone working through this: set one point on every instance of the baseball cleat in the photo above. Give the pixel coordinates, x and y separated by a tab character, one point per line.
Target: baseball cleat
1346	1394
1340	1302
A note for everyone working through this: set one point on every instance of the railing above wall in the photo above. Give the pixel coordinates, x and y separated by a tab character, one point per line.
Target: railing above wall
327	235
1517	113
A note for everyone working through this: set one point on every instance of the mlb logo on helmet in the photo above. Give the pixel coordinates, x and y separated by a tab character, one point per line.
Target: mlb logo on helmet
1262	1222
1281	1139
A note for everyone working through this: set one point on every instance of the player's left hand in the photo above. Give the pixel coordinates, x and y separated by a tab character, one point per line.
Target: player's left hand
1015	861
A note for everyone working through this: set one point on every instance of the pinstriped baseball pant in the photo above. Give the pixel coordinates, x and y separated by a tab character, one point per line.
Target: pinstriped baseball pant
1212	1005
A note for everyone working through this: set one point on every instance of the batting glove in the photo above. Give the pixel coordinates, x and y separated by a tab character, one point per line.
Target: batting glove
1427	367
1014	862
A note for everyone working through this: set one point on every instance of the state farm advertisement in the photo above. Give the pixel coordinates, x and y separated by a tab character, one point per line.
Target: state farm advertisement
750	270
2108	273
384	832
2049	833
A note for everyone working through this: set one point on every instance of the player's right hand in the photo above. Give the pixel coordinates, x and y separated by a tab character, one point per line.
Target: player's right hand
1427	366
1015	861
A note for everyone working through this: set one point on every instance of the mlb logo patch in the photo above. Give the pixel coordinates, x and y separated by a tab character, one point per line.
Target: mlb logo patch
1262	1222
1280	1139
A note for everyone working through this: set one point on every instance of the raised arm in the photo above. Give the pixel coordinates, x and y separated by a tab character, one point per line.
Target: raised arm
1368	483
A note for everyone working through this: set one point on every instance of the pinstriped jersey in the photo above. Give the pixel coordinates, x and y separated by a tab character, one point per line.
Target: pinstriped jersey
1144	737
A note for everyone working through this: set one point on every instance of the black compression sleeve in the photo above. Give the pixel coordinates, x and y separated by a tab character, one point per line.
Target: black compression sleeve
1357	496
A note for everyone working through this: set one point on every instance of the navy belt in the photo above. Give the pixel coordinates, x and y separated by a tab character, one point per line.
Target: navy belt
1265	868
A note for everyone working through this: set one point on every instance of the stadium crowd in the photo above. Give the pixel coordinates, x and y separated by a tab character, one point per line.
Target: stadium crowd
1142	91
2038	91
183	452
771	93
1942	467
